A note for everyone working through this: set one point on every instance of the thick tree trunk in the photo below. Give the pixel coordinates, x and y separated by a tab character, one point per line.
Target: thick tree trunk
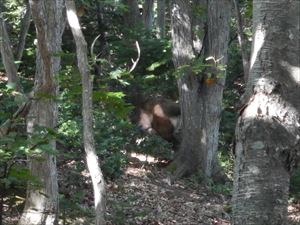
268	130
200	103
87	106
148	14
160	23
212	93
41	205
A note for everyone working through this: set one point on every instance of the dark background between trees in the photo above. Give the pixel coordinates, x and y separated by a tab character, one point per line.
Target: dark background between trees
119	24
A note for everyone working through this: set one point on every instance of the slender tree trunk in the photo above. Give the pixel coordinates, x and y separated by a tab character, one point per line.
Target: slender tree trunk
88	136
148	14
41	206
212	93
160	24
23	33
7	56
268	129
241	39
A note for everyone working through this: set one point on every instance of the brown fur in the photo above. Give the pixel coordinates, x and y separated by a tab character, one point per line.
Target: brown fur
154	115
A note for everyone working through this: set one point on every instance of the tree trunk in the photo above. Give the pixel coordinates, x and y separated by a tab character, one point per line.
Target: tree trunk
200	102
188	158
160	24
268	129
212	92
41	206
87	104
148	14
132	17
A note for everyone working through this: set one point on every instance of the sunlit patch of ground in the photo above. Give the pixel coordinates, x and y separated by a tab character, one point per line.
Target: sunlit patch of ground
294	213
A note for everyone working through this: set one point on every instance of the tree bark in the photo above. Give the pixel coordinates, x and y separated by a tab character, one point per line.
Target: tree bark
212	93
268	129
41	206
87	104
148	14
160	23
188	158
200	103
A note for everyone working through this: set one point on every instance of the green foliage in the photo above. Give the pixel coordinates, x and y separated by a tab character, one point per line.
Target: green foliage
13	12
295	184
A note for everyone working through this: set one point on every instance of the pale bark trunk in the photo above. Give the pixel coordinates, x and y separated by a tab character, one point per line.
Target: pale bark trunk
87	104
160	24
41	206
148	14
212	94
268	129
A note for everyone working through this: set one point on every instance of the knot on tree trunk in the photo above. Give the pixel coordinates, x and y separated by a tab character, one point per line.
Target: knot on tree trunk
266	86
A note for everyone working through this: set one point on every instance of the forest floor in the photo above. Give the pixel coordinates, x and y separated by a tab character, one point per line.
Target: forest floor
142	196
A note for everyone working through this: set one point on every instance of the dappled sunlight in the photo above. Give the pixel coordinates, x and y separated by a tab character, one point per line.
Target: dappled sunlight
73	19
144	157
136	172
294	212
258	41
294	71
